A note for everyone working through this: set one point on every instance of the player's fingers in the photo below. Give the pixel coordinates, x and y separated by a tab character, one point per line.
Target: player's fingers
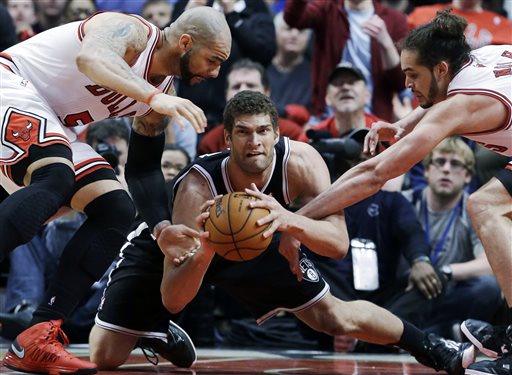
266	219
270	231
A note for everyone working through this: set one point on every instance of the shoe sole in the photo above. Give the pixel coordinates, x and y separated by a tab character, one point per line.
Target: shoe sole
9	357
188	338
488	352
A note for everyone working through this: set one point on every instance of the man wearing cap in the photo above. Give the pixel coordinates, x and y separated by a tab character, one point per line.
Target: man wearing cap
347	94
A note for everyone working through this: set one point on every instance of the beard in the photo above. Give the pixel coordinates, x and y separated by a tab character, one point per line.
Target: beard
433	91
186	74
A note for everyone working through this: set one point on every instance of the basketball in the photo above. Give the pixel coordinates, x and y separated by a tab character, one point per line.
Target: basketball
234	234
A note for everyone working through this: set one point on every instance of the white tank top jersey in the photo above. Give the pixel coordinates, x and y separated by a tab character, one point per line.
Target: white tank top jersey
47	60
489	72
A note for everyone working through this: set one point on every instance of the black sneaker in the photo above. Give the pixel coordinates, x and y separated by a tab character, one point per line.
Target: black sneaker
179	348
447	355
493	341
500	366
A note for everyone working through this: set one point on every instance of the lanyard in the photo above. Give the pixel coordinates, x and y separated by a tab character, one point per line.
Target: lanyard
439	246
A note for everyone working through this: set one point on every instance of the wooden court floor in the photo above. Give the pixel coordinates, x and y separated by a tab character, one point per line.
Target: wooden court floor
248	362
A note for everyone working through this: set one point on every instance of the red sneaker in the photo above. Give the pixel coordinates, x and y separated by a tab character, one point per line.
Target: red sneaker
38	350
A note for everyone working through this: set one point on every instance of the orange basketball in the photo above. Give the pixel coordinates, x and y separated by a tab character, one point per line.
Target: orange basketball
234	234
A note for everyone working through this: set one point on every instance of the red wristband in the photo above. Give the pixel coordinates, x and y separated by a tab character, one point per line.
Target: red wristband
150	97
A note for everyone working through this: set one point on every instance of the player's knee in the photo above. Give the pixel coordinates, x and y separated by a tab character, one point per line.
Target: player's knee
114	208
57	178
103	350
479	207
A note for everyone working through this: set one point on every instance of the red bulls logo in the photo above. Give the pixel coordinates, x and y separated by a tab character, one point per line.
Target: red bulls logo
25	132
22	130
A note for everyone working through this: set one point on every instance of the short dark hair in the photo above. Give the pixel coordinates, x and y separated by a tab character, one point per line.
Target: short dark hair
441	39
250	65
175	147
249	103
101	130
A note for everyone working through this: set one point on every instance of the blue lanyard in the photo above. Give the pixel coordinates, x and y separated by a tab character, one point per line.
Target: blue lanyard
439	246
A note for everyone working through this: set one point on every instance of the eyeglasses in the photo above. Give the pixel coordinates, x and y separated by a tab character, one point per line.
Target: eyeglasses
456	165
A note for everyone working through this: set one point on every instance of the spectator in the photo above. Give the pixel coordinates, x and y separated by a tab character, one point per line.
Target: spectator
472	291
247	75
78	10
7	29
50	13
23	13
347	94
484	26
174	159
158	12
290	71
254	37
360	32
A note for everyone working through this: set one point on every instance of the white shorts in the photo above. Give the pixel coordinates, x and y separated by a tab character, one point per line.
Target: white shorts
25	120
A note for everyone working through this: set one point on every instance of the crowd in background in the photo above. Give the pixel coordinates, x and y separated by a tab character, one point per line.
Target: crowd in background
332	68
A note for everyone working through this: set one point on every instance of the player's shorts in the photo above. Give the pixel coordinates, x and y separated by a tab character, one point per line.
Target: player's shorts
25	120
132	303
505	176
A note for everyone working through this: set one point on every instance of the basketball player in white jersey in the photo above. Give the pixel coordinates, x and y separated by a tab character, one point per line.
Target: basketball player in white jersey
110	65
460	92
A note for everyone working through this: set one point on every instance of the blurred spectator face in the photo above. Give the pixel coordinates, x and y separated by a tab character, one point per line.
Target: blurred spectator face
78	10
447	174
22	12
159	14
289	39
244	79
173	161
51	8
347	93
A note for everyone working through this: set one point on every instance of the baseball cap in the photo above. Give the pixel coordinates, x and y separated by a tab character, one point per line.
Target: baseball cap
348	67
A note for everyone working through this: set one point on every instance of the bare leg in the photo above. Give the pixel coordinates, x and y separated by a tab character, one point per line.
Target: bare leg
490	209
110	349
360	319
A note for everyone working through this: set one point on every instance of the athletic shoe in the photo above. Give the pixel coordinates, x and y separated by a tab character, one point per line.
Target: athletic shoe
179	348
38	350
447	355
493	341
500	366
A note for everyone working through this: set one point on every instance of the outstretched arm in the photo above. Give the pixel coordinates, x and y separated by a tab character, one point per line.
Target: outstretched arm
460	114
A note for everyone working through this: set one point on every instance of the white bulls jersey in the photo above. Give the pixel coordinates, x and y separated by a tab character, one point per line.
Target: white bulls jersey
489	72
47	61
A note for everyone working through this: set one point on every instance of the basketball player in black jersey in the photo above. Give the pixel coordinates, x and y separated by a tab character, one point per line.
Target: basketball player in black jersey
284	171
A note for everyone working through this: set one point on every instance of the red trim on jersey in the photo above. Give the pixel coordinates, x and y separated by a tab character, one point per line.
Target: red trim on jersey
6	67
149	61
492	94
9	61
88	171
20	156
144	22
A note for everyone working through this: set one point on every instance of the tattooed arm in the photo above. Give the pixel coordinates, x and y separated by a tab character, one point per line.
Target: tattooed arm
112	41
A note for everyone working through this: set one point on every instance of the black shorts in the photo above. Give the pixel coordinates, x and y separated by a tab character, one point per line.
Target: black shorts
132	302
505	176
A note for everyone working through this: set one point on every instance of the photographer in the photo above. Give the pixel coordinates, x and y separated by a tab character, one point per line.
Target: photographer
347	95
110	138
